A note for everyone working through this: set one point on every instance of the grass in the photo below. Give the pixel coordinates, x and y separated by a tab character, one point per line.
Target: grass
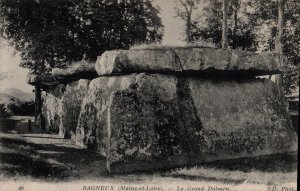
20	159
235	176
38	158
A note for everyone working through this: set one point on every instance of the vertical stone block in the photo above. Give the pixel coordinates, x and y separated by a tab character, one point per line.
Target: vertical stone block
150	121
52	109
242	119
61	108
71	106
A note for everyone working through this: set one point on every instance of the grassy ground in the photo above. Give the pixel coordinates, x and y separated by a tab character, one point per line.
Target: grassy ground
35	156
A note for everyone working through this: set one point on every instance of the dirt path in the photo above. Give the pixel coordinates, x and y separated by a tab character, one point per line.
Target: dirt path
42	155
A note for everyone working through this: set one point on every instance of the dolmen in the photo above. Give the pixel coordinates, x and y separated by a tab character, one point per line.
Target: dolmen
165	107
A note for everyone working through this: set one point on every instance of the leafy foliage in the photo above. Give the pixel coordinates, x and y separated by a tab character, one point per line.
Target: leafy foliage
209	26
53	33
252	25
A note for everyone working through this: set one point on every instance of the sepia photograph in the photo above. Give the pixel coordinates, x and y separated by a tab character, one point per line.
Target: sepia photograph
149	95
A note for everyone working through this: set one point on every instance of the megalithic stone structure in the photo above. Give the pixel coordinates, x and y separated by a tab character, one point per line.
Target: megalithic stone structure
65	89
167	107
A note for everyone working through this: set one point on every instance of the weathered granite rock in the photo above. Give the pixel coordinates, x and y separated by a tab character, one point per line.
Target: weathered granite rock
77	70
71	106
52	109
178	59
141	121
62	106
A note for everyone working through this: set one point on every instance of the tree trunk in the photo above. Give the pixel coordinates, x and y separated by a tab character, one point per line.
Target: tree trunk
235	28
278	42
121	25
224	25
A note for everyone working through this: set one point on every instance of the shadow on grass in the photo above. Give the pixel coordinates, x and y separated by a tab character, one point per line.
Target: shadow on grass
19	125
22	165
276	168
7	125
283	162
208	179
44	161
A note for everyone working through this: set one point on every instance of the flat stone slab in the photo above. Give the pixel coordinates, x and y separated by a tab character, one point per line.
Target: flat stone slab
152	121
32	78
43	80
80	69
74	72
188	59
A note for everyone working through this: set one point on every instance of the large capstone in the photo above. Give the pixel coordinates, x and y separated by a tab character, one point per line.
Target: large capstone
149	121
74	72
44	81
187	59
77	70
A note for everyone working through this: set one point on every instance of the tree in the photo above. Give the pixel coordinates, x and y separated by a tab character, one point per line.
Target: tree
55	33
185	13
236	4
224	24
252	25
269	19
291	46
208	27
278	43
280	25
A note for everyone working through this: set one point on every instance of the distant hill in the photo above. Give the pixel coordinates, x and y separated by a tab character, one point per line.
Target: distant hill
19	94
6	98
16	102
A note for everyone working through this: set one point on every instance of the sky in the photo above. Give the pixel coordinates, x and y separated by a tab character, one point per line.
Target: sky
13	76
173	26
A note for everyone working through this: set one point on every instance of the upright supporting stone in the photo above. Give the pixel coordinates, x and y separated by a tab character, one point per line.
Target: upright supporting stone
71	106
61	107
151	121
